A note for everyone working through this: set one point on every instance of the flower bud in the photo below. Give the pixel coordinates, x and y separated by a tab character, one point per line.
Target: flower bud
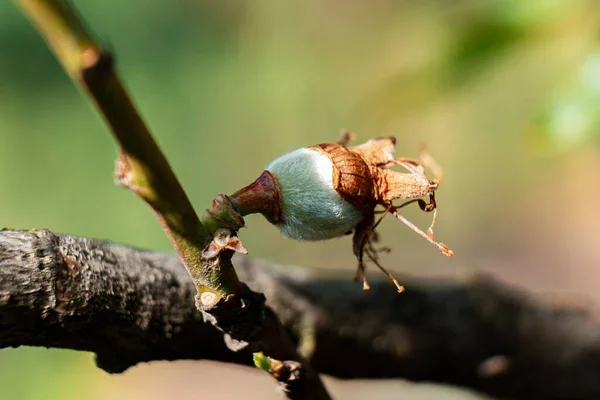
328	190
311	208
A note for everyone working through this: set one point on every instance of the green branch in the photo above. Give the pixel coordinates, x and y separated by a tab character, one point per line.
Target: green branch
141	166
205	246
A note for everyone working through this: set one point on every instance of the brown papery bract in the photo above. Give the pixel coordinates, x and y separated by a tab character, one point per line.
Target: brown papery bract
362	178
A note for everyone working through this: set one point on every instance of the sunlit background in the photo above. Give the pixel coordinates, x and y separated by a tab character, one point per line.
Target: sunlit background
506	93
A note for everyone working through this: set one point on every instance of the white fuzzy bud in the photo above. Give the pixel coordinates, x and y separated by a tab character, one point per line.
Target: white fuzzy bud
311	209
328	190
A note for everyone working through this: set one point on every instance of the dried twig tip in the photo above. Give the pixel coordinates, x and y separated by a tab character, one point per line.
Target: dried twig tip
445	250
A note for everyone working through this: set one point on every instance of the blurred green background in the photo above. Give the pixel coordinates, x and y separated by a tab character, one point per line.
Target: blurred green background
506	93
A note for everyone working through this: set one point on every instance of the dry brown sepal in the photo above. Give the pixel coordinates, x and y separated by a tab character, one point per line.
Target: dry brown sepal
362	177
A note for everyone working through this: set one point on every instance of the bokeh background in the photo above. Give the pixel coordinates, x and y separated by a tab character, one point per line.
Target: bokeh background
505	92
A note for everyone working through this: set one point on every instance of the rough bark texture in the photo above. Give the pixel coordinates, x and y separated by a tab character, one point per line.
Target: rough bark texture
130	306
124	305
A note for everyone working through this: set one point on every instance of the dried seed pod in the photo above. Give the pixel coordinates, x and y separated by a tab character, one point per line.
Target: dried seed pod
328	190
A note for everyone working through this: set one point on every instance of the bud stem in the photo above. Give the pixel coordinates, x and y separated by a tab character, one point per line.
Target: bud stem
261	196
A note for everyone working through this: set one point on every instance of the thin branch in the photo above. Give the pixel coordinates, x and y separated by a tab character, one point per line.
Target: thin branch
131	306
141	167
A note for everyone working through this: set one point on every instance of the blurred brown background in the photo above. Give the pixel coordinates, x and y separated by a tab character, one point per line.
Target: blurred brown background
506	93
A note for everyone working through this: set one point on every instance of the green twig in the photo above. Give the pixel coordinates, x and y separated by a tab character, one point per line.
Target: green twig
141	166
205	247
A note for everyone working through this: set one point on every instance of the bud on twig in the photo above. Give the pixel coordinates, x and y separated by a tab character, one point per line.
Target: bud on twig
329	190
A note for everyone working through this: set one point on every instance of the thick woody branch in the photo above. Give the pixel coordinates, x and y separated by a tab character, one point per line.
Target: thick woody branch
124	305
130	306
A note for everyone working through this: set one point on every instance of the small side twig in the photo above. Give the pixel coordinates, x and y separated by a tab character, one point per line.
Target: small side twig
142	168
290	375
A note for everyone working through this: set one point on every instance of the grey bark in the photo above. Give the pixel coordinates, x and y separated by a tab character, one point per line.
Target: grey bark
130	306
